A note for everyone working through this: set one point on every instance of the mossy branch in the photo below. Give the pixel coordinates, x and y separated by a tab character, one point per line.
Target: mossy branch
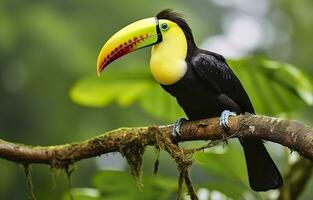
131	142
289	133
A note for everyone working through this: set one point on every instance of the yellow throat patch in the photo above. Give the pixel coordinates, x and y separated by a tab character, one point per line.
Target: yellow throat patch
167	62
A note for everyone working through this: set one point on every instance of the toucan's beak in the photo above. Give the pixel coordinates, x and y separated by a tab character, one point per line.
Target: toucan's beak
137	35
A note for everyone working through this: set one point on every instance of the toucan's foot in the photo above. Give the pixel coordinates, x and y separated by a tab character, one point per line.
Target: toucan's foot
177	125
224	118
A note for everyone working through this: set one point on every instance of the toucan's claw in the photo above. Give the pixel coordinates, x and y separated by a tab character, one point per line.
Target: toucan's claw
176	127
224	118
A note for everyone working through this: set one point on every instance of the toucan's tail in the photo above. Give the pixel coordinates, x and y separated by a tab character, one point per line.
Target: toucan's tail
262	171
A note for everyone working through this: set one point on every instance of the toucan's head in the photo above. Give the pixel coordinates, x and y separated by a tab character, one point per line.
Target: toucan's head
166	29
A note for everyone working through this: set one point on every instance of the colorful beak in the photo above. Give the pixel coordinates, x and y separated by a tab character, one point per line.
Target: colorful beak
135	36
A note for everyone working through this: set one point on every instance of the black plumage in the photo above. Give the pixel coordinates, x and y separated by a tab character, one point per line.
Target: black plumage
207	89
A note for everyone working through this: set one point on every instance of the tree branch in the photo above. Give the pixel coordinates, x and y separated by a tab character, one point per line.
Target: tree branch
289	133
296	179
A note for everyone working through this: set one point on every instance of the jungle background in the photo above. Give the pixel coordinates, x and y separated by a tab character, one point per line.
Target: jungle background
50	93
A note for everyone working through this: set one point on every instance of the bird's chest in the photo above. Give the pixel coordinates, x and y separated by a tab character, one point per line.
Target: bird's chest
195	97
167	70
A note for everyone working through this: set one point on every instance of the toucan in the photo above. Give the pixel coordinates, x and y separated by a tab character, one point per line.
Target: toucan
201	81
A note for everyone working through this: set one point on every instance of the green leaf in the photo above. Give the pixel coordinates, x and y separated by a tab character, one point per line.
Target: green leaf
120	185
160	104
124	87
83	194
229	188
273	87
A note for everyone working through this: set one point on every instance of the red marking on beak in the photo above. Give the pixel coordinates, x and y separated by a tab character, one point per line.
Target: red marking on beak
121	50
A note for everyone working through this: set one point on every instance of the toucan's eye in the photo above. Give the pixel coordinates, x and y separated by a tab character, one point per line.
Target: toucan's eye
164	27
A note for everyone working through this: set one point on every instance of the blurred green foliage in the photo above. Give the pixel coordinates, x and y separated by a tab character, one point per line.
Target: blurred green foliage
284	87
48	51
108	186
229	177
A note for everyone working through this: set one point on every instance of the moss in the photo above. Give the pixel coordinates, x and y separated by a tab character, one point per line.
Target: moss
156	162
29	182
132	146
133	151
182	157
69	169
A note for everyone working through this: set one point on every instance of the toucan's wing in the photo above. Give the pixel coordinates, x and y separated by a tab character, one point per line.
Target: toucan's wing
213	69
